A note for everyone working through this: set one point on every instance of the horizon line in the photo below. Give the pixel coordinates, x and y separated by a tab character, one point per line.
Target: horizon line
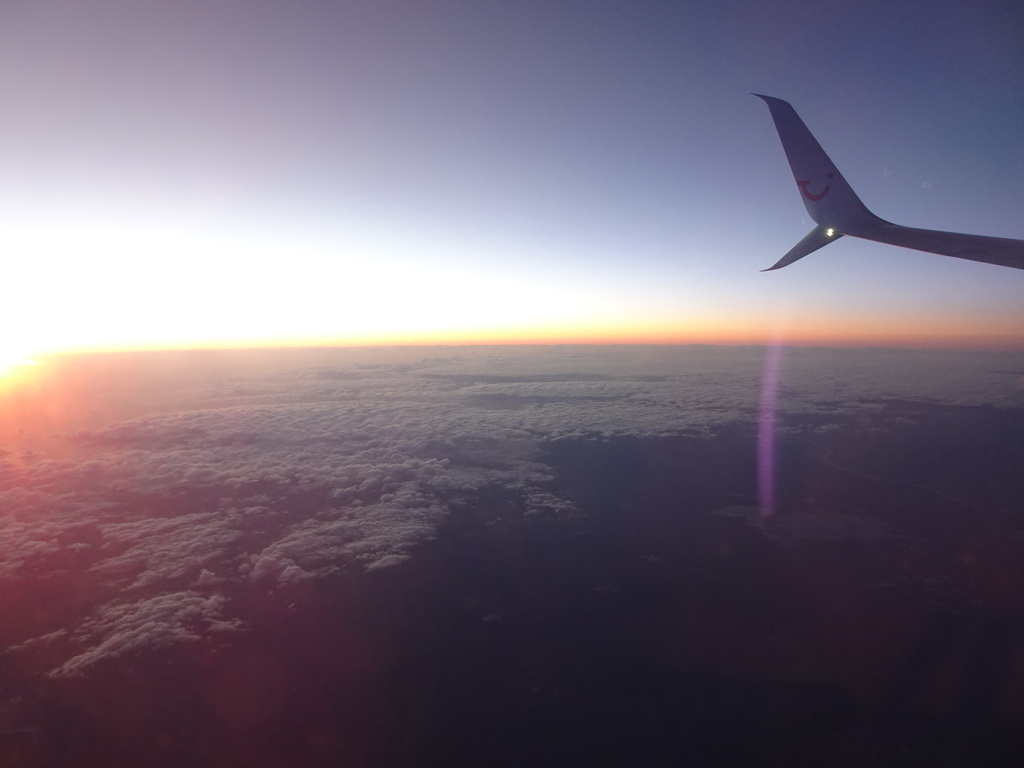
950	345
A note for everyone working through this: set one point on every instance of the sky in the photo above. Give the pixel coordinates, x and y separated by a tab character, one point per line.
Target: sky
244	174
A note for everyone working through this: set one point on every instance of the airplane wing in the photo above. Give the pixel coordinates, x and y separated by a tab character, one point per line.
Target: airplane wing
835	207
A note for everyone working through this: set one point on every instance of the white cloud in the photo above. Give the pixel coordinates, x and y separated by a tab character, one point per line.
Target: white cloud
118	629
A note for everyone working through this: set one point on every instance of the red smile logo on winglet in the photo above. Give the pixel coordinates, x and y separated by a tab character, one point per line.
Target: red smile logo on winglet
810	195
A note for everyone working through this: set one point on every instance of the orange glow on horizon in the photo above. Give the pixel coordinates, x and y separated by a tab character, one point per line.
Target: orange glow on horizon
803	332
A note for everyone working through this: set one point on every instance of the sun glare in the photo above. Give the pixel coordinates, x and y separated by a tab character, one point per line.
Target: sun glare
14	365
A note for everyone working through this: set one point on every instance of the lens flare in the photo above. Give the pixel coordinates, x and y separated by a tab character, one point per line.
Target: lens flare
766	428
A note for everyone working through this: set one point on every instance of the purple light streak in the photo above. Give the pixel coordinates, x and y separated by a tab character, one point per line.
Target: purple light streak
766	429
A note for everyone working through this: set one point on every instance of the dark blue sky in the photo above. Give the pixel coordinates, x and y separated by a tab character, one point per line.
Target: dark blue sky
257	172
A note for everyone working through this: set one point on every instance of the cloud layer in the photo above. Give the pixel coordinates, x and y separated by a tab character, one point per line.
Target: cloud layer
265	479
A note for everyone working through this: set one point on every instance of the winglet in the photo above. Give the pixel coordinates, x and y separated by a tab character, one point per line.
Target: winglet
838	211
817	238
828	198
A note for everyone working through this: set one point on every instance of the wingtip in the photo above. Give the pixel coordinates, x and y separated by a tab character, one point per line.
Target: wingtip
770	99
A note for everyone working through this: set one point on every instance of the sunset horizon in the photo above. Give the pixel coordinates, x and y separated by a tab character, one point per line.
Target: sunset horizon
443	385
839	339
